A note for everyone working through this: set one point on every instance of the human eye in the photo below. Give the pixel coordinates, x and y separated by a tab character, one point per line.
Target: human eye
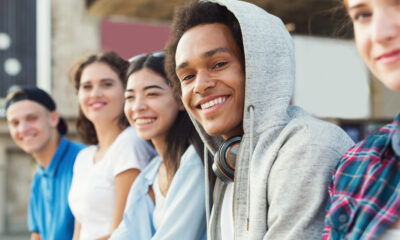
129	97
107	83
86	86
32	118
360	16
187	77
14	123
220	64
153	94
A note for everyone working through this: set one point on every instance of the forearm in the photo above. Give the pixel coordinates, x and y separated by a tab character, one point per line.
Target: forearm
35	236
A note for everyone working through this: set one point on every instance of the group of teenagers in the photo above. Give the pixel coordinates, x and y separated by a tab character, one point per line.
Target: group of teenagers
200	141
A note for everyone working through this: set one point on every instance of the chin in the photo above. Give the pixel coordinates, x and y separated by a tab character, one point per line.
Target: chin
392	83
213	131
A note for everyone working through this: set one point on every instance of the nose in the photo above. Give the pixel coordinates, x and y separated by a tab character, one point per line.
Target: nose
22	127
139	104
203	82
384	27
95	91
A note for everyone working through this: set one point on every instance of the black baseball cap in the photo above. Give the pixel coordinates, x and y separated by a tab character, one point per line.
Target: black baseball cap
19	93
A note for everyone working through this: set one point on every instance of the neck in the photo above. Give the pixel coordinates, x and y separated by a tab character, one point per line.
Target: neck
44	157
106	134
159	144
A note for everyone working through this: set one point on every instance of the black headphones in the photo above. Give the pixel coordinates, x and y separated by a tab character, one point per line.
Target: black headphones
225	159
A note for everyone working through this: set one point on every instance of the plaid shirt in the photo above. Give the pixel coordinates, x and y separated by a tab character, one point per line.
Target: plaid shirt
365	189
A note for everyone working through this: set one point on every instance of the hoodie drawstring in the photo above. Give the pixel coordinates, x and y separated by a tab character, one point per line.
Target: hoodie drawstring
251	111
207	186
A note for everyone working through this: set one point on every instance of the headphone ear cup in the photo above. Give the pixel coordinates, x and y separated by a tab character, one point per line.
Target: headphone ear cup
225	159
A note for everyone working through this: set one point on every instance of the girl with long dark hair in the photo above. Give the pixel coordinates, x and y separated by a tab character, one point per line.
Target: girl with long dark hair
167	199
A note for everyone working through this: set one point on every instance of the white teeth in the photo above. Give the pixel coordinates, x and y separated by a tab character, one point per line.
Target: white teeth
143	121
213	102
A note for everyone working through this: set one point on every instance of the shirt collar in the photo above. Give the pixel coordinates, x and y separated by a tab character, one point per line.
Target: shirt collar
55	161
153	171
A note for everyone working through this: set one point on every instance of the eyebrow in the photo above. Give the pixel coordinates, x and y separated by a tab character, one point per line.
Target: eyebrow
206	55
101	80
359	5
145	88
152	86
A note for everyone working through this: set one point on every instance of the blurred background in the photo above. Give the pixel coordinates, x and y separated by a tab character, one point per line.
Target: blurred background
41	39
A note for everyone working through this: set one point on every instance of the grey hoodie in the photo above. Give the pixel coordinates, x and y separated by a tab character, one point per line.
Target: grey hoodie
286	156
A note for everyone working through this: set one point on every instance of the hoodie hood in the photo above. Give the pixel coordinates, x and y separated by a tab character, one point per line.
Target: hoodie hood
269	69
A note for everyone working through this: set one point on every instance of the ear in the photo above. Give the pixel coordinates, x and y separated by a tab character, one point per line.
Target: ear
181	107
54	118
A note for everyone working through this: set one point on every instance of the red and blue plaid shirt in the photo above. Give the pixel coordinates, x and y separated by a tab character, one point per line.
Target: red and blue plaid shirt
365	189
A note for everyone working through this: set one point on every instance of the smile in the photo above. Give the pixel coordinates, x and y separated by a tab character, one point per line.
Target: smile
213	102
144	121
390	57
97	105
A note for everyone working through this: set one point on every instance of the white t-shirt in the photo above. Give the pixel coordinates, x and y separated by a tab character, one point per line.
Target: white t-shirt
227	214
390	234
91	197
158	212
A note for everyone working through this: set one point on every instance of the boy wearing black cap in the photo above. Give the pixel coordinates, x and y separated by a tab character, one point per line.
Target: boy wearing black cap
36	127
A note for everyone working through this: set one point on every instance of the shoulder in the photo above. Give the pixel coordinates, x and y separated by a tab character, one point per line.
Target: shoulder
129	142
84	156
75	146
305	130
308	143
367	153
191	158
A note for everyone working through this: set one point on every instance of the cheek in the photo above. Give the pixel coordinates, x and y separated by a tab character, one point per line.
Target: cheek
127	111
13	132
362	43
186	96
81	97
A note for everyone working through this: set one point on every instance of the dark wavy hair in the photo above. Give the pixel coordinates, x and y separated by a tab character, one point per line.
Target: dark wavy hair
182	133
189	16
84	126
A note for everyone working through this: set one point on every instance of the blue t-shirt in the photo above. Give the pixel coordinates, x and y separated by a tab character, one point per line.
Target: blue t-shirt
48	211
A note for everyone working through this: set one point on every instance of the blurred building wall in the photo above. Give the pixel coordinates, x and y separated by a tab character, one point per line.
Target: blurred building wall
73	33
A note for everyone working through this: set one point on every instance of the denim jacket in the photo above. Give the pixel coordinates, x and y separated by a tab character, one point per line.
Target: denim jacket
184	209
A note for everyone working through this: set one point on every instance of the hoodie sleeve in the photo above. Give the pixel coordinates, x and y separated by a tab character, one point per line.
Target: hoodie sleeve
298	192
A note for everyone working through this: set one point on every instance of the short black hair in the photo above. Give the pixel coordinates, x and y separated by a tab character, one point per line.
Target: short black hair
191	15
18	93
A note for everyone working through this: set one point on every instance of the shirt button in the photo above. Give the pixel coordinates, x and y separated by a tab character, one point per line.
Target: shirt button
343	218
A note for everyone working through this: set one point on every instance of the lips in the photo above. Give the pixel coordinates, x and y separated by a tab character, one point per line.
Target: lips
97	105
389	57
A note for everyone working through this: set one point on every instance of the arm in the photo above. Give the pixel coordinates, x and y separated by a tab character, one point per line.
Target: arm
35	236
77	230
184	213
298	191
123	182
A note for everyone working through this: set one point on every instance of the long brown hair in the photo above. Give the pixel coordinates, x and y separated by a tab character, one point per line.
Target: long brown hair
84	126
182	133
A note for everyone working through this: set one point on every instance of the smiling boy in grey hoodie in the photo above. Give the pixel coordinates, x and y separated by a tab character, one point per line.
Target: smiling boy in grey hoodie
233	65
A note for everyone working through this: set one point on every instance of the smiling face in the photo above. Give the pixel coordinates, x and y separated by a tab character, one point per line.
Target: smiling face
101	94
31	125
212	78
150	105
377	34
